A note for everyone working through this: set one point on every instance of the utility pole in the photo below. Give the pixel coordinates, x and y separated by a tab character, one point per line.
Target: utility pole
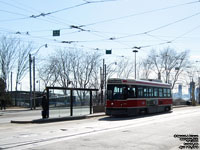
101	85
30	74
11	81
135	51
34	82
11	88
192	85
105	84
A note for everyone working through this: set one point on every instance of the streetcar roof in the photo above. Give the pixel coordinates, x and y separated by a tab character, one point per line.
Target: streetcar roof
137	82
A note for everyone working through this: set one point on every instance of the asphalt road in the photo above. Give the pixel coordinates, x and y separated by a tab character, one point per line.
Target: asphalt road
156	132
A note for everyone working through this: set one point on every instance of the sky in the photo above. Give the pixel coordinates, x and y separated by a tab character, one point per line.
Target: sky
99	25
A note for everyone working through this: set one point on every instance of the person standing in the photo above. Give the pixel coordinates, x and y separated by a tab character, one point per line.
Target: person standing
45	107
3	104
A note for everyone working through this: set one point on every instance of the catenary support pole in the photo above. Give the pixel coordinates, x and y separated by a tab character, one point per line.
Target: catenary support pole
30	75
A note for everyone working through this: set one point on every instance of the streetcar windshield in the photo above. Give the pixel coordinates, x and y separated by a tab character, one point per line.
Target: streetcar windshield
116	92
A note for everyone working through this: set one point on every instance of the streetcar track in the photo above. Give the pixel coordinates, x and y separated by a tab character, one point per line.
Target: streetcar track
40	141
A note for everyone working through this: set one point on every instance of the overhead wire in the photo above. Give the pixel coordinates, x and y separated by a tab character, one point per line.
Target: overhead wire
182	35
141	13
10	12
147	32
158	28
27	10
67	8
115	18
136	14
113	38
174	39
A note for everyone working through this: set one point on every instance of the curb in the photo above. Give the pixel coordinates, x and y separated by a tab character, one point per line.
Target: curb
180	106
49	120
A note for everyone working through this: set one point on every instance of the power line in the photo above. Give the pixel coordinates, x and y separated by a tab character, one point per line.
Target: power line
158	28
182	35
56	21
67	8
173	40
146	12
53	20
80	28
13	13
141	13
114	38
6	3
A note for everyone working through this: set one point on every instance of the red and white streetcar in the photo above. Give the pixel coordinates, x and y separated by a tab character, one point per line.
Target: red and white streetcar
132	97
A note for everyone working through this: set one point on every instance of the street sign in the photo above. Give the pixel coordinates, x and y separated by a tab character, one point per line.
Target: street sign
56	32
108	51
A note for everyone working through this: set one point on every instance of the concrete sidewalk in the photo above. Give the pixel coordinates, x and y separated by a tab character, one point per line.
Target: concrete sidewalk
68	118
33	119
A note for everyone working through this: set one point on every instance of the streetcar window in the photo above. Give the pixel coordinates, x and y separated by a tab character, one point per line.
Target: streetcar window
140	91
150	92
131	91
145	92
160	92
165	92
116	92
155	92
168	93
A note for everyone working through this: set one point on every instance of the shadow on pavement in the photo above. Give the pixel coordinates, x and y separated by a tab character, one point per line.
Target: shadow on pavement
125	117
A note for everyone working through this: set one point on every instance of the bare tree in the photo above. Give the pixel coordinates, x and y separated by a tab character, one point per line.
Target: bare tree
48	72
182	61
23	51
63	67
158	64
85	67
146	68
121	68
111	69
8	49
70	66
168	64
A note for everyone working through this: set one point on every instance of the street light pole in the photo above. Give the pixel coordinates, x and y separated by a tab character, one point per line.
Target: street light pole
38	81
135	51
30	70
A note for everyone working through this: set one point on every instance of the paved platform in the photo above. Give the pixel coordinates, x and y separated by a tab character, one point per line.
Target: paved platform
37	118
59	119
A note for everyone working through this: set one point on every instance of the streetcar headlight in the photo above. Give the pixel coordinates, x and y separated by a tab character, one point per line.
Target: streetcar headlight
111	104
